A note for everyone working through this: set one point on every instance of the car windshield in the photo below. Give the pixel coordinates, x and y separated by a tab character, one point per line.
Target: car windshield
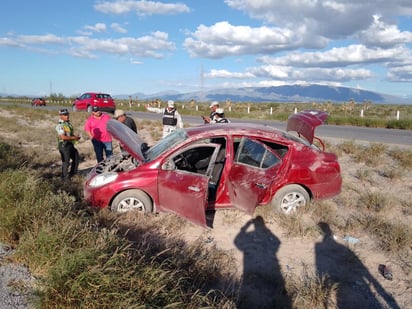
166	143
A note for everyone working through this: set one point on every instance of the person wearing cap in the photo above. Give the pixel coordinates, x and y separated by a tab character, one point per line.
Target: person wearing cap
66	141
95	128
171	118
220	116
121	116
211	118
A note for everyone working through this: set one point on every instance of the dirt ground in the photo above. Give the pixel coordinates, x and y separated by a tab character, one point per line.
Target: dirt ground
261	247
267	258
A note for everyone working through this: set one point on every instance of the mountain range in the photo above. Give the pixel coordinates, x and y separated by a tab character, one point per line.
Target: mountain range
286	93
282	94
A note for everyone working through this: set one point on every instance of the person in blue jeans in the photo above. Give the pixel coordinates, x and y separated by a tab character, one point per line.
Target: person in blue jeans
95	127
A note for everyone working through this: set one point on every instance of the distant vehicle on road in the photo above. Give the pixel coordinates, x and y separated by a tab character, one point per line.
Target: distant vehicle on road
38	102
90	99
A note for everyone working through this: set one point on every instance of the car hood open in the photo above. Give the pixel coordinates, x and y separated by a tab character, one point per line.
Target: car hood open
129	140
305	123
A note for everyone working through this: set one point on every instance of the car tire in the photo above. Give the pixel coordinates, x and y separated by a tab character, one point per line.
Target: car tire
290	198
89	109
132	200
74	108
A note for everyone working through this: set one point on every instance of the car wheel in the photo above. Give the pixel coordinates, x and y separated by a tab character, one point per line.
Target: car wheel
289	198
132	200
74	108
89	109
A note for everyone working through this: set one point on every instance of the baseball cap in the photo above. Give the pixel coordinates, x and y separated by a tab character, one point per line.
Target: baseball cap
214	103
220	111
170	103
63	111
118	113
95	109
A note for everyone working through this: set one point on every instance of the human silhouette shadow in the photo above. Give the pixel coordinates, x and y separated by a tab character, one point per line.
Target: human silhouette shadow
354	281
262	284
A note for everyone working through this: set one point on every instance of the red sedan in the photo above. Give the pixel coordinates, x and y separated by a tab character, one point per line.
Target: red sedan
217	166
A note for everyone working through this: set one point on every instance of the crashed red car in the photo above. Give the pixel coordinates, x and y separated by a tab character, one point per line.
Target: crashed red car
210	167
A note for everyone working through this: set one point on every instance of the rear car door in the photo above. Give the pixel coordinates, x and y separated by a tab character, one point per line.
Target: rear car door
254	169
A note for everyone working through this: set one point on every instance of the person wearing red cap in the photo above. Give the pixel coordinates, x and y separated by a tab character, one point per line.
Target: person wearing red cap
95	128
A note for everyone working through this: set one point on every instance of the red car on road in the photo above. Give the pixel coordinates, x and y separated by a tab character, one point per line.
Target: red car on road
209	167
89	99
38	102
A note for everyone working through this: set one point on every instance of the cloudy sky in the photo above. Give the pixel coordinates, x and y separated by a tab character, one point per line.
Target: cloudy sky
128	46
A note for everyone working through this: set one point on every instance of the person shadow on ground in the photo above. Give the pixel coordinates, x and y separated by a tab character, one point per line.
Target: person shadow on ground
353	280
262	283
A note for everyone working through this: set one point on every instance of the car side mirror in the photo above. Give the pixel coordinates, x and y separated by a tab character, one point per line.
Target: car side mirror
169	165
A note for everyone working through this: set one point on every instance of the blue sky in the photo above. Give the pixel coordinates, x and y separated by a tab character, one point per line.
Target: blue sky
127	47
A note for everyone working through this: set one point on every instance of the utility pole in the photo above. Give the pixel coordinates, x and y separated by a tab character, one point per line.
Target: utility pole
201	97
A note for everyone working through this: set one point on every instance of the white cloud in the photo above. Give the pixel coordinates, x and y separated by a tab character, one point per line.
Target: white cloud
382	34
98	27
400	74
141	8
226	74
116	27
152	46
340	56
223	39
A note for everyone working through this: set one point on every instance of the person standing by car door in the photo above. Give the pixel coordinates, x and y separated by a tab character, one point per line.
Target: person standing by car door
66	140
171	118
95	128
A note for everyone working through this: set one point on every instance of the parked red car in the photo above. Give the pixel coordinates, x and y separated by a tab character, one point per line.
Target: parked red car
38	102
89	99
209	167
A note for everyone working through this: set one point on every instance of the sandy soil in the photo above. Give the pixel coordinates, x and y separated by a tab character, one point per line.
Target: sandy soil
267	257
261	247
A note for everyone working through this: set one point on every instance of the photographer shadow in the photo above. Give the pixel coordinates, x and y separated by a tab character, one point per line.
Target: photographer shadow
343	269
262	283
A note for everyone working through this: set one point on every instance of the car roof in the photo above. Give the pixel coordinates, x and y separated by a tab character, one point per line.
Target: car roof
235	129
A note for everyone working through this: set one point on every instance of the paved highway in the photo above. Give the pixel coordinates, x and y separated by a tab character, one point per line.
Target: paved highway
327	132
358	134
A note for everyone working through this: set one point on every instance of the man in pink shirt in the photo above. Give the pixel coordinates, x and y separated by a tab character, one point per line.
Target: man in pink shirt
95	127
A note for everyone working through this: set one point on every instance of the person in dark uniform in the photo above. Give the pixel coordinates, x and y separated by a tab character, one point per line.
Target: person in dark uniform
220	116
211	118
66	141
126	120
171	118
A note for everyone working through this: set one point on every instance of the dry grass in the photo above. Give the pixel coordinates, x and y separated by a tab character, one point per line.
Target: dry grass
375	204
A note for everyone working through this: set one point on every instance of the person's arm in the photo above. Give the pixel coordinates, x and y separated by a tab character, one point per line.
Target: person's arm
154	109
63	136
88	129
179	123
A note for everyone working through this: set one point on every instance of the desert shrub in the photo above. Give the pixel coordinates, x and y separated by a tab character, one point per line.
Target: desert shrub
311	290
391	237
402	156
374	201
371	155
348	147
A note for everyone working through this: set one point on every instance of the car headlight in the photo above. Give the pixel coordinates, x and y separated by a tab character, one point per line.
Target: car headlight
103	179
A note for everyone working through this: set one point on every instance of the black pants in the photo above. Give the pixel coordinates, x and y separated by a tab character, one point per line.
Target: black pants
67	152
